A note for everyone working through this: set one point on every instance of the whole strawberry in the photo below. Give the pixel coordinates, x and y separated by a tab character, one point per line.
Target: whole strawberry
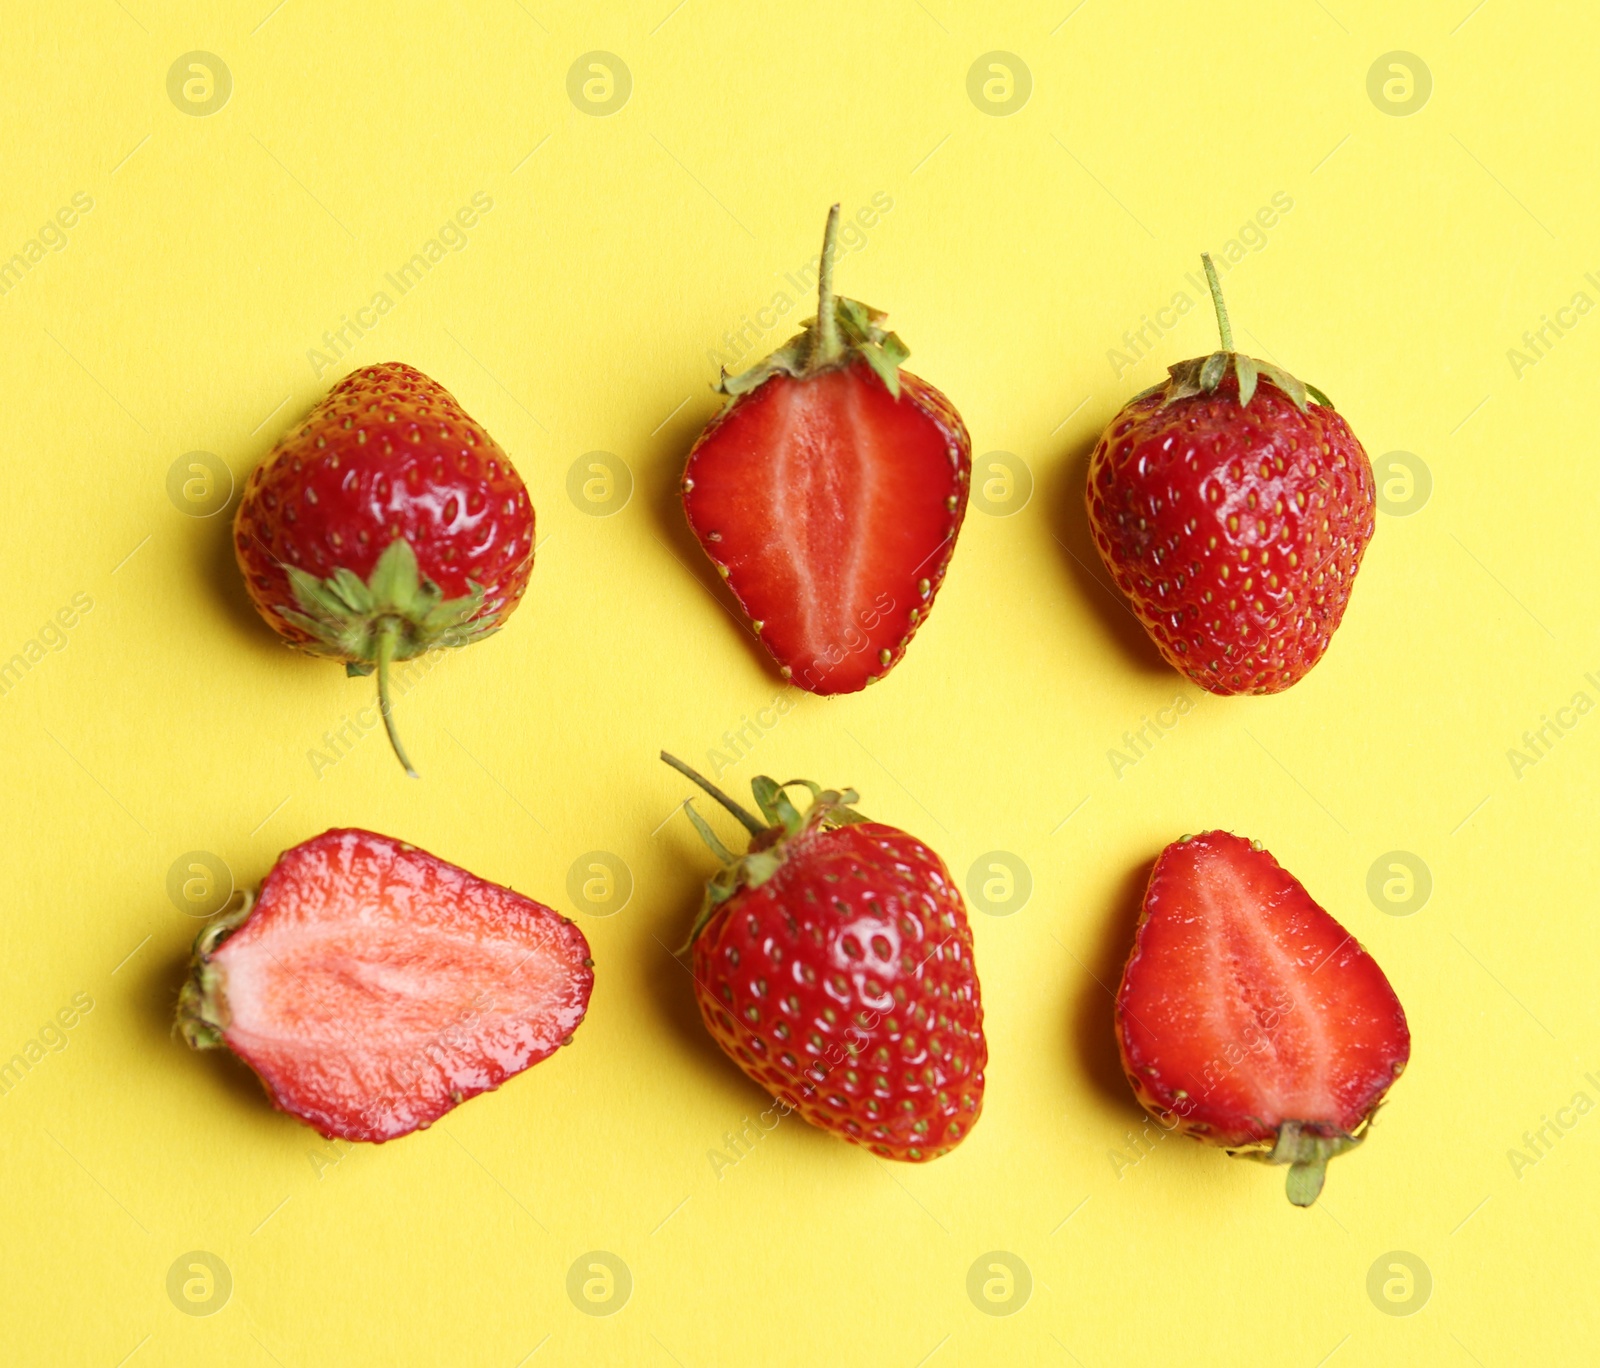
387	524
1248	1018
373	987
1232	505
829	492
833	963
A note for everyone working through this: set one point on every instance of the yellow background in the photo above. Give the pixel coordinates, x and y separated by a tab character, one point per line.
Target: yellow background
177	317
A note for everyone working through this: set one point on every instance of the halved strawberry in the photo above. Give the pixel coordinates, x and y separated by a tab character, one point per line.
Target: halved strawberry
829	492
1249	1018
373	987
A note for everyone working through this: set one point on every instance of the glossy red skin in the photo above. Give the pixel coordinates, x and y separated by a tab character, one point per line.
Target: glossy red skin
390	986
922	461
388	453
1165	483
802	992
1244	1005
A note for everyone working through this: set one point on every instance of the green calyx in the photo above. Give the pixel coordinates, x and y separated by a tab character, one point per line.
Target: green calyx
396	613
1204	374
1306	1150
842	330
202	1007
780	822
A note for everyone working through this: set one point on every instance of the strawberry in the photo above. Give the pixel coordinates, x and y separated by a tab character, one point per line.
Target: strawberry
833	963
1249	1018
1233	511
829	492
387	524
373	987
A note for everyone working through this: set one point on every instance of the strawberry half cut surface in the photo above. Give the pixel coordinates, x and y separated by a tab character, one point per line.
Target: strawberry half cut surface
1248	1018
373	987
829	492
833	963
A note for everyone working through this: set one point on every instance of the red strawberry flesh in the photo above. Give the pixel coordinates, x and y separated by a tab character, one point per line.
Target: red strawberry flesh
829	492
373	987
1245	1007
832	507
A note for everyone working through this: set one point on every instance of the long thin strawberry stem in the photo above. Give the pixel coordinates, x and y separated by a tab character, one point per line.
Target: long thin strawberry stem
825	344
388	634
751	823
1216	298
